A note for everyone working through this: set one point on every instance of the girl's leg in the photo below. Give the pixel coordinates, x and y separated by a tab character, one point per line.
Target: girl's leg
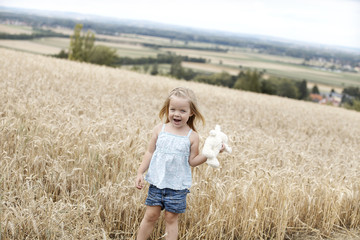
152	214
172	229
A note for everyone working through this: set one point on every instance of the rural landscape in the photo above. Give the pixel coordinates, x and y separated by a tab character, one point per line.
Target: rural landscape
73	133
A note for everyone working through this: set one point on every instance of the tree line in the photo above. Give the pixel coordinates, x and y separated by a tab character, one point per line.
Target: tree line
159	59
38	33
252	80
185	46
82	48
269	47
351	98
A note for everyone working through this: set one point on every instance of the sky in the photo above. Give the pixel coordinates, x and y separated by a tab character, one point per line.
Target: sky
329	22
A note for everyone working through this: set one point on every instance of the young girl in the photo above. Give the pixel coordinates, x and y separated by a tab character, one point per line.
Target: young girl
172	150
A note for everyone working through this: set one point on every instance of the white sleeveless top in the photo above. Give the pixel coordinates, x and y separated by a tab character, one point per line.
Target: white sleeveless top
169	166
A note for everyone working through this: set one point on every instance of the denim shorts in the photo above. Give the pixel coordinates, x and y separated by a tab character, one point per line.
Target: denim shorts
168	199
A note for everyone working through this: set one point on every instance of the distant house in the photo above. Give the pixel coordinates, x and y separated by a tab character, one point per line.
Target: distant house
332	98
315	97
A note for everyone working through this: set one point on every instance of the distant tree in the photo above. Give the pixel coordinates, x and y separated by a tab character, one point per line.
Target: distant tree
315	89
354	105
82	48
189	74
222	79
146	68
302	89
268	86
255	81
352	91
62	54
350	96
154	69
242	82
219	79
176	70
287	88
102	55
76	44
250	81
88	45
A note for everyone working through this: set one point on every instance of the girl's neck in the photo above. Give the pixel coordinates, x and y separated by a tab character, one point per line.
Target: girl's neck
183	131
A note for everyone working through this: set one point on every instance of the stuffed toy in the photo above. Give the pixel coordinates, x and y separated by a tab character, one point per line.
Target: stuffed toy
213	145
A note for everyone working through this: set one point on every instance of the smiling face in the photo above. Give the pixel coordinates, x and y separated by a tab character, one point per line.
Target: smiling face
179	111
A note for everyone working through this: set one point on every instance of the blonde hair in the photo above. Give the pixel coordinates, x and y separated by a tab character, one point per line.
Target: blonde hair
187	94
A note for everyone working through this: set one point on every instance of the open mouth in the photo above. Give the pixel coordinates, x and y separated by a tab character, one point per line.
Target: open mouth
177	120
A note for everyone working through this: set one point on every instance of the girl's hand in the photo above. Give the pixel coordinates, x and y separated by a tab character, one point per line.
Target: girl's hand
139	182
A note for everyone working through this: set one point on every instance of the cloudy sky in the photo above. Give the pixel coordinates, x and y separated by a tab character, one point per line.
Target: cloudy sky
331	22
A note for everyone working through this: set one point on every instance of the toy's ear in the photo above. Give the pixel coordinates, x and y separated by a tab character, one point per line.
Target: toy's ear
217	128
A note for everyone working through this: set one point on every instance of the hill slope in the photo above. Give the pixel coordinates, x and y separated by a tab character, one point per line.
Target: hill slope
73	134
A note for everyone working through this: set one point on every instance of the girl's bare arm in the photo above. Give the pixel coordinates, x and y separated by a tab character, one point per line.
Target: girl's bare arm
139	183
195	158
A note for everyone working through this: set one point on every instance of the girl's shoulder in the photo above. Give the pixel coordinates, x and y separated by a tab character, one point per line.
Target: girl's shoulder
157	129
194	137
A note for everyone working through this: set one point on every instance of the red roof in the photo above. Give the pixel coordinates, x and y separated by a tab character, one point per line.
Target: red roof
316	97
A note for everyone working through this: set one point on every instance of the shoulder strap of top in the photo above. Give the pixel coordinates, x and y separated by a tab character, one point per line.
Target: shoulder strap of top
163	127
189	132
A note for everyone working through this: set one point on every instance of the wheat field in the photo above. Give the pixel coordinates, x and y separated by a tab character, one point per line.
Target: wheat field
72	136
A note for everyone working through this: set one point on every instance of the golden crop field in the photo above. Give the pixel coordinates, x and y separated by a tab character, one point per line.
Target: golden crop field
72	136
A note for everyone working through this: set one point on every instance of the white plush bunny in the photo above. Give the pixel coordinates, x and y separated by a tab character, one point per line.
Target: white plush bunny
213	145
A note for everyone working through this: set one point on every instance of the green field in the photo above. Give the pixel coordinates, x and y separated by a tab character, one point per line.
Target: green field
274	65
15	29
232	61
